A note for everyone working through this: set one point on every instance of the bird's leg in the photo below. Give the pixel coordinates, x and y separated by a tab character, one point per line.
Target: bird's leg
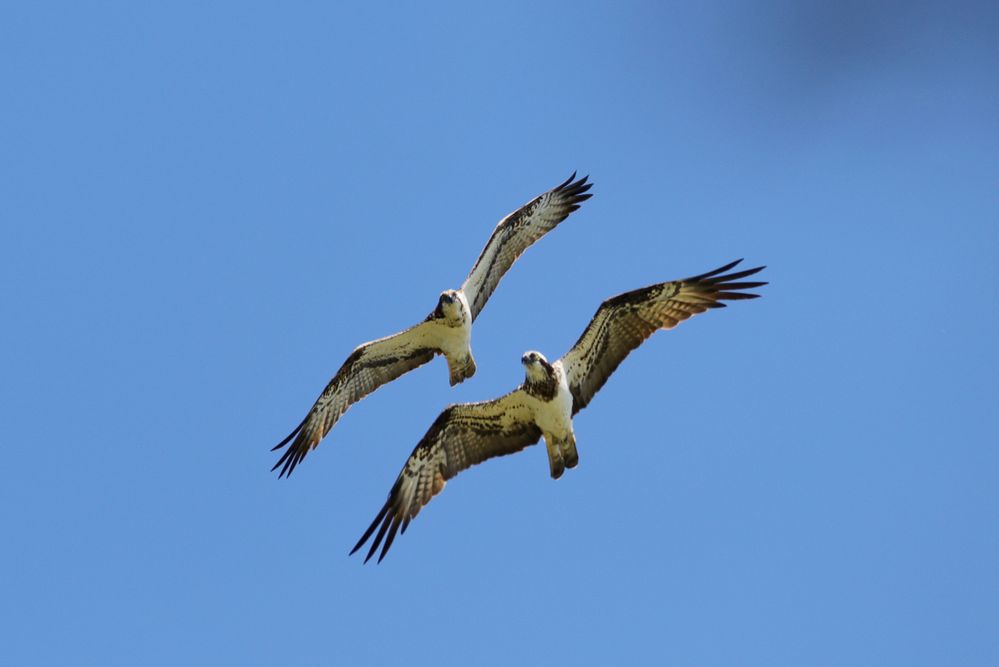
555	459
568	448
461	369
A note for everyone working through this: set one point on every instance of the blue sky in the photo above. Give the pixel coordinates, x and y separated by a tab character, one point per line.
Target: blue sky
206	206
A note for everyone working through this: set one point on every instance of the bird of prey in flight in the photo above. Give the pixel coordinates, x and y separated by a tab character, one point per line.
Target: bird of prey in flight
552	393
447	330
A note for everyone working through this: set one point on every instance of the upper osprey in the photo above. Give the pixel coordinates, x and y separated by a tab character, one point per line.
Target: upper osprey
447	330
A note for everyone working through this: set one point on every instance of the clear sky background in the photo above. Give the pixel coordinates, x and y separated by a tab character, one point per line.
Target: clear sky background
206	206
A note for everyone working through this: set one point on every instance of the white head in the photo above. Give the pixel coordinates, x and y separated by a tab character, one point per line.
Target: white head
537	366
452	307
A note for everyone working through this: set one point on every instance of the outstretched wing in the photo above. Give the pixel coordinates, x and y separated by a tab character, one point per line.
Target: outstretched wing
462	436
623	322
516	232
368	367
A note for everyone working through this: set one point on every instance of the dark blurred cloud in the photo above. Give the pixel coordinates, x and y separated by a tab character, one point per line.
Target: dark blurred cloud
820	43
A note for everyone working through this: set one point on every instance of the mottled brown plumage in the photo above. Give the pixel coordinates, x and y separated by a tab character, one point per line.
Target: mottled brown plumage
623	322
461	436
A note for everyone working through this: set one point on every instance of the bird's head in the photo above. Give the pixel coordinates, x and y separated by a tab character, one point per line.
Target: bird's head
537	366
451	305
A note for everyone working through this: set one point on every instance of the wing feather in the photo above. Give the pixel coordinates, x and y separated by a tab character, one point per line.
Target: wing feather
623	322
516	232
366	369
461	436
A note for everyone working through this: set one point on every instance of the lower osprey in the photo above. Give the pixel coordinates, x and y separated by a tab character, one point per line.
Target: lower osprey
552	393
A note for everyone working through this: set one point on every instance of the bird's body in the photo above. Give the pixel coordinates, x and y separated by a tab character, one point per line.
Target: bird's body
447	331
550	401
551	394
451	335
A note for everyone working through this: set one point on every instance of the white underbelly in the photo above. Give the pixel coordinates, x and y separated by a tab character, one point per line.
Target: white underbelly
555	416
455	341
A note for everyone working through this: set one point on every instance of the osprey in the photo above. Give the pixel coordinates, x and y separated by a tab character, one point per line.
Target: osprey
552	393
447	330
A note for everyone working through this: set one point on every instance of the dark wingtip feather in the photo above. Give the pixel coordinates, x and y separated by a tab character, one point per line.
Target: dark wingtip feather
574	188
295	453
290	435
285	460
718	285
735	296
718	279
391	537
291	458
566	181
728	277
378	539
371	528
721	269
